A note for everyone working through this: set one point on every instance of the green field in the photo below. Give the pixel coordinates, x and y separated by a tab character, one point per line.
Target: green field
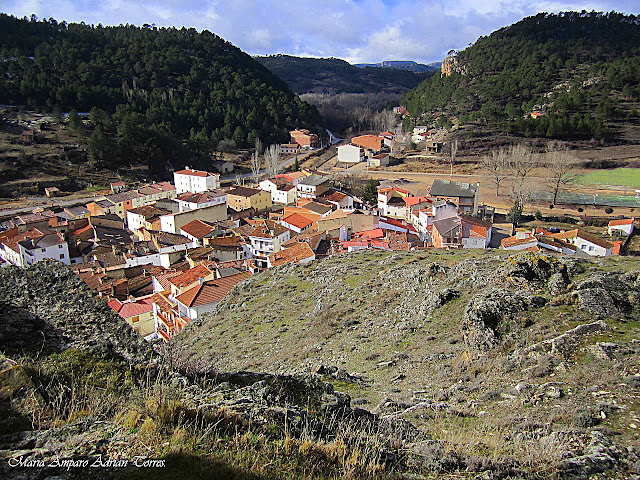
628	177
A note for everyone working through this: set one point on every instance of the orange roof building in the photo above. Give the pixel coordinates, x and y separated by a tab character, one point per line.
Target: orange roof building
373	143
300	253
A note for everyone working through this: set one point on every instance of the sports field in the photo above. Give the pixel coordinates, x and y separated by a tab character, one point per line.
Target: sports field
627	177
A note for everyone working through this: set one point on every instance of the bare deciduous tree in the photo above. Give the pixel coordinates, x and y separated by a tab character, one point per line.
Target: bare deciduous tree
255	162
454	151
520	162
560	168
272	160
496	163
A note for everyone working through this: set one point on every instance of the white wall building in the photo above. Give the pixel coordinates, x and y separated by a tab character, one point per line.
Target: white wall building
195	181
192	201
350	154
282	192
50	245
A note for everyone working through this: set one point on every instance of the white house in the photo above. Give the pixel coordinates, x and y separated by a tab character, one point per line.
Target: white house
624	225
476	233
312	186
192	201
350	154
282	192
391	202
49	245
195	181
143	217
267	238
204	296
592	245
341	200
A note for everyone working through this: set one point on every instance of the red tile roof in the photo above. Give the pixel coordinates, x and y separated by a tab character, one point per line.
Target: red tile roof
376	233
624	221
294	254
190	276
197	229
137	307
202	197
196	173
513	241
211	291
297	221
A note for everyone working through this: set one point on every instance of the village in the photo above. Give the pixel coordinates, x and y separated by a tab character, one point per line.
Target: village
163	254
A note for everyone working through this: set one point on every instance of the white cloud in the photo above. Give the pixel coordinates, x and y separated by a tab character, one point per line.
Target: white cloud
358	30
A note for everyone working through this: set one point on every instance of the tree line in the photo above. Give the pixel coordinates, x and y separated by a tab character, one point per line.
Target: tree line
156	94
570	65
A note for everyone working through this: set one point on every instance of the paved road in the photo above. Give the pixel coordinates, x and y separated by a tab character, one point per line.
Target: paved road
36	202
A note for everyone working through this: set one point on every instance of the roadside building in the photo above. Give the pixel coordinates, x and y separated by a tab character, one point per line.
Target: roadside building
304	138
372	144
289	148
464	195
195	181
350	154
312	186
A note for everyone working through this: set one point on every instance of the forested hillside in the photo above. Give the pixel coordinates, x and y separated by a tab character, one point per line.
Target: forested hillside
334	76
149	89
574	68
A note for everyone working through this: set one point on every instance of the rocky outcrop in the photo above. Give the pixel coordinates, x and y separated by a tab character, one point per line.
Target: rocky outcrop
607	294
564	345
46	307
601	455
485	316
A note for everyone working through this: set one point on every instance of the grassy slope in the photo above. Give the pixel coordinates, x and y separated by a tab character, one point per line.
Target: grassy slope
366	313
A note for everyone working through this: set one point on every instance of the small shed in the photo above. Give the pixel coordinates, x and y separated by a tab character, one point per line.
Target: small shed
51	191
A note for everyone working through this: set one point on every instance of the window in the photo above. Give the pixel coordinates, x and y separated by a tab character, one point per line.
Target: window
135	319
61	256
591	248
60	246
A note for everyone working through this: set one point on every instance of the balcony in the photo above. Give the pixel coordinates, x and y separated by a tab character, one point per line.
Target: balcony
165	321
164	335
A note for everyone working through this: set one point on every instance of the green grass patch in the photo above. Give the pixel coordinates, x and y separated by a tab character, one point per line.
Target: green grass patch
628	177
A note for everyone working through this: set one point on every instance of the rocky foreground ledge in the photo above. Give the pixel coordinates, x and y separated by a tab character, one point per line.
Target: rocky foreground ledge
483	365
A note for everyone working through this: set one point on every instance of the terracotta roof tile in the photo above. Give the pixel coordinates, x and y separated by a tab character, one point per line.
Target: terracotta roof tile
190	276
211	291
294	254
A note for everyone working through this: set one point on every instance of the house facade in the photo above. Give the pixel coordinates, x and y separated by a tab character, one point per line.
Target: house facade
243	198
464	195
312	186
195	181
350	154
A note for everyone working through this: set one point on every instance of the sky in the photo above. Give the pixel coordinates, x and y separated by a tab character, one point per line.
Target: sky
359	31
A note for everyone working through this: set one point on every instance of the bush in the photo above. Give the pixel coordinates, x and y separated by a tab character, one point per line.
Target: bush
538	215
